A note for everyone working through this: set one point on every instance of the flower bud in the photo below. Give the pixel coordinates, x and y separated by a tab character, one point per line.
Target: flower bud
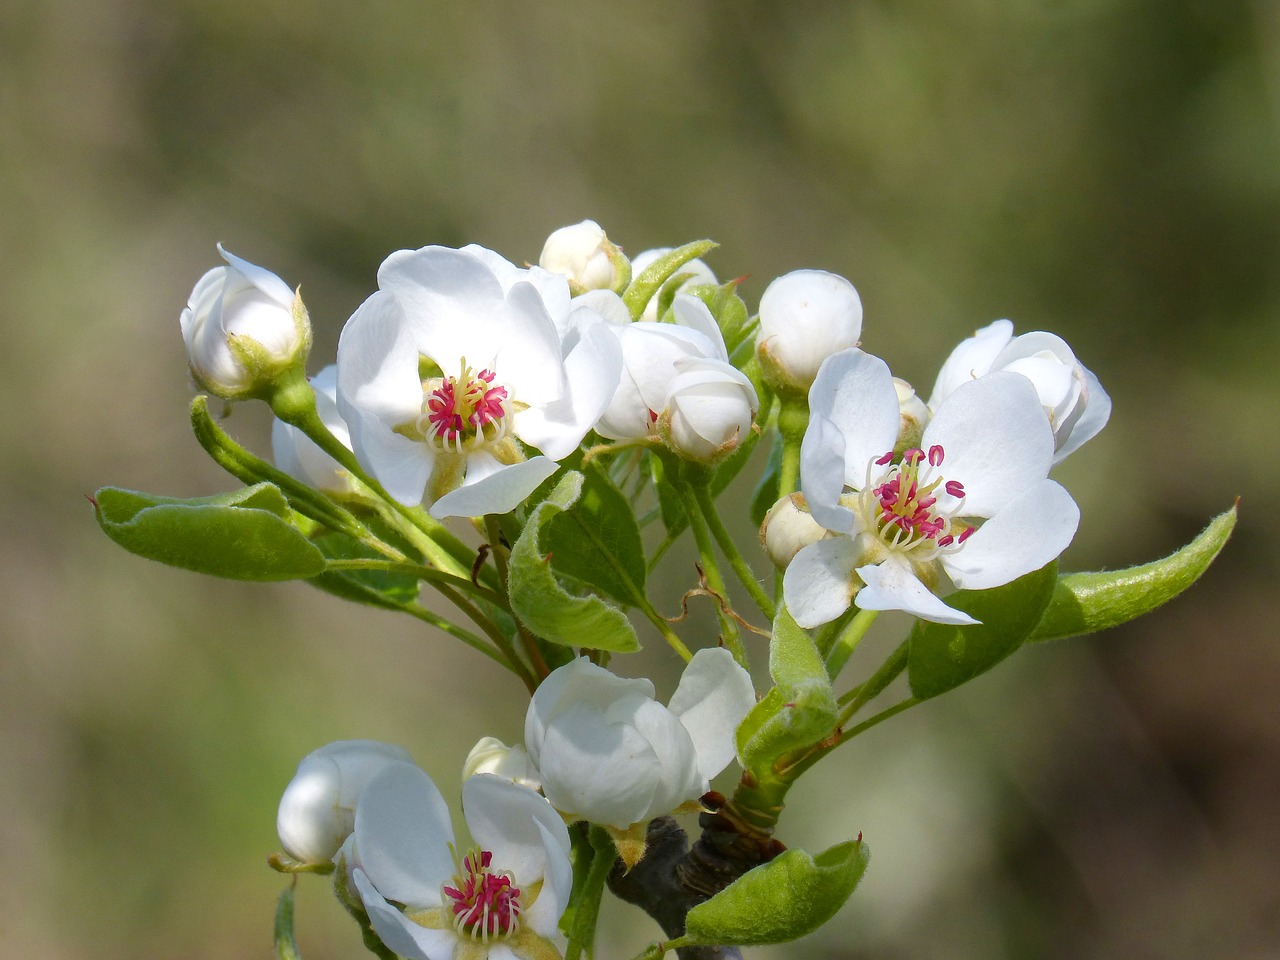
710	407
243	328
788	528
587	257
298	455
915	416
491	755
805	317
317	810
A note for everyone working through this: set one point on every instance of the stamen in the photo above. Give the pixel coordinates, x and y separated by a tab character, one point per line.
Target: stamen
485	903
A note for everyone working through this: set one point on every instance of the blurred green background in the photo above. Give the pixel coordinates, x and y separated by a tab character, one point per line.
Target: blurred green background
1106	169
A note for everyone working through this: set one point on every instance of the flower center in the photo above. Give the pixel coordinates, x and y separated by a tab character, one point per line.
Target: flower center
903	508
463	412
482	902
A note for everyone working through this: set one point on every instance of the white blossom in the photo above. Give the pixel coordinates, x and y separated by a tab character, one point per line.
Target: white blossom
972	504
805	317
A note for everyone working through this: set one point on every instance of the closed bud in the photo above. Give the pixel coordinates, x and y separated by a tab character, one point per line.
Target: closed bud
788	528
711	406
491	755
805	317
587	257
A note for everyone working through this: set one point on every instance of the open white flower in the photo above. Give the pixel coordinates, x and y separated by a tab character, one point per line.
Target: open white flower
607	752
501	899
298	455
459	362
317	810
973	502
1072	397
242	327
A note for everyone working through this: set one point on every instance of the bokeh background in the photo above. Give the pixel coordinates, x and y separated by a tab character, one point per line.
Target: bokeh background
1106	169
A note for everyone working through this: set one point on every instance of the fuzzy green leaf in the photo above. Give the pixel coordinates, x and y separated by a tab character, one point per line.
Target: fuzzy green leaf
597	541
244	535
1087	602
781	900
286	945
651	279
942	656
543	605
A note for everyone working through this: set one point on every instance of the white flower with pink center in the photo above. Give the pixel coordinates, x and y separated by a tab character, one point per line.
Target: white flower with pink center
465	378
971	505
428	900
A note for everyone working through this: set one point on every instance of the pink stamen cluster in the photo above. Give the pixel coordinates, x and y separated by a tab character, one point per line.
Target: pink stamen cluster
484	902
905	501
462	406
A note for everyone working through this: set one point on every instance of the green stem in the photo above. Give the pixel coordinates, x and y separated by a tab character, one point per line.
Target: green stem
888	671
461	633
664	628
711	569
793	420
848	641
582	935
490	629
727	546
434	577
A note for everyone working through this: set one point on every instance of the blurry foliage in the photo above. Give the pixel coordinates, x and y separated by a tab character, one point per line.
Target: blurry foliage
1106	169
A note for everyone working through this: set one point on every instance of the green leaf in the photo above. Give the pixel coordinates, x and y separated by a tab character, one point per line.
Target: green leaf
942	656
286	946
543	605
597	541
378	588
799	711
244	535
1086	602
651	279
789	896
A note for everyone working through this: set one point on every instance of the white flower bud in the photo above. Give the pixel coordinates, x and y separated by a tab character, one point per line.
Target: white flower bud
788	528
710	408
584	254
805	317
243	327
491	755
915	415
317	810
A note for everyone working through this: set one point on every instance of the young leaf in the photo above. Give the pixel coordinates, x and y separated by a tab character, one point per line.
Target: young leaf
651	279
543	605
800	709
242	535
1086	602
781	900
597	540
942	656
286	946
375	587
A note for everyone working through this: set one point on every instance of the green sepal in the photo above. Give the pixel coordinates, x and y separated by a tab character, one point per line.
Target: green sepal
286	945
1087	602
942	656
798	712
543	605
651	278
786	898
244	535
729	311
597	541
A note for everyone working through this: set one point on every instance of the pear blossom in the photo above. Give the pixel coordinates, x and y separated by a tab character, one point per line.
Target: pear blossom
243	326
805	317
607	752
459	366
696	272
298	455
584	254
710	408
428	900
317	810
972	504
1072	397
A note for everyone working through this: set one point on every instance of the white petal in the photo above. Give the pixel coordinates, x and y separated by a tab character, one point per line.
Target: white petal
818	584
679	778
714	694
543	917
260	277
892	585
402	836
1026	534
592	370
822	469
970	360
492	487
996	439
504	817
1097	412
855	391
693	313
579	680
400	934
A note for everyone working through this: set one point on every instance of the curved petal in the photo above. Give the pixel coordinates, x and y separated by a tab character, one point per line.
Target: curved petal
713	696
504	818
680	778
1097	412
855	391
892	585
693	313
996	438
592	371
818	583
402	836
543	915
579	680
492	487
970	360
822	470
1025	535
260	277
400	934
